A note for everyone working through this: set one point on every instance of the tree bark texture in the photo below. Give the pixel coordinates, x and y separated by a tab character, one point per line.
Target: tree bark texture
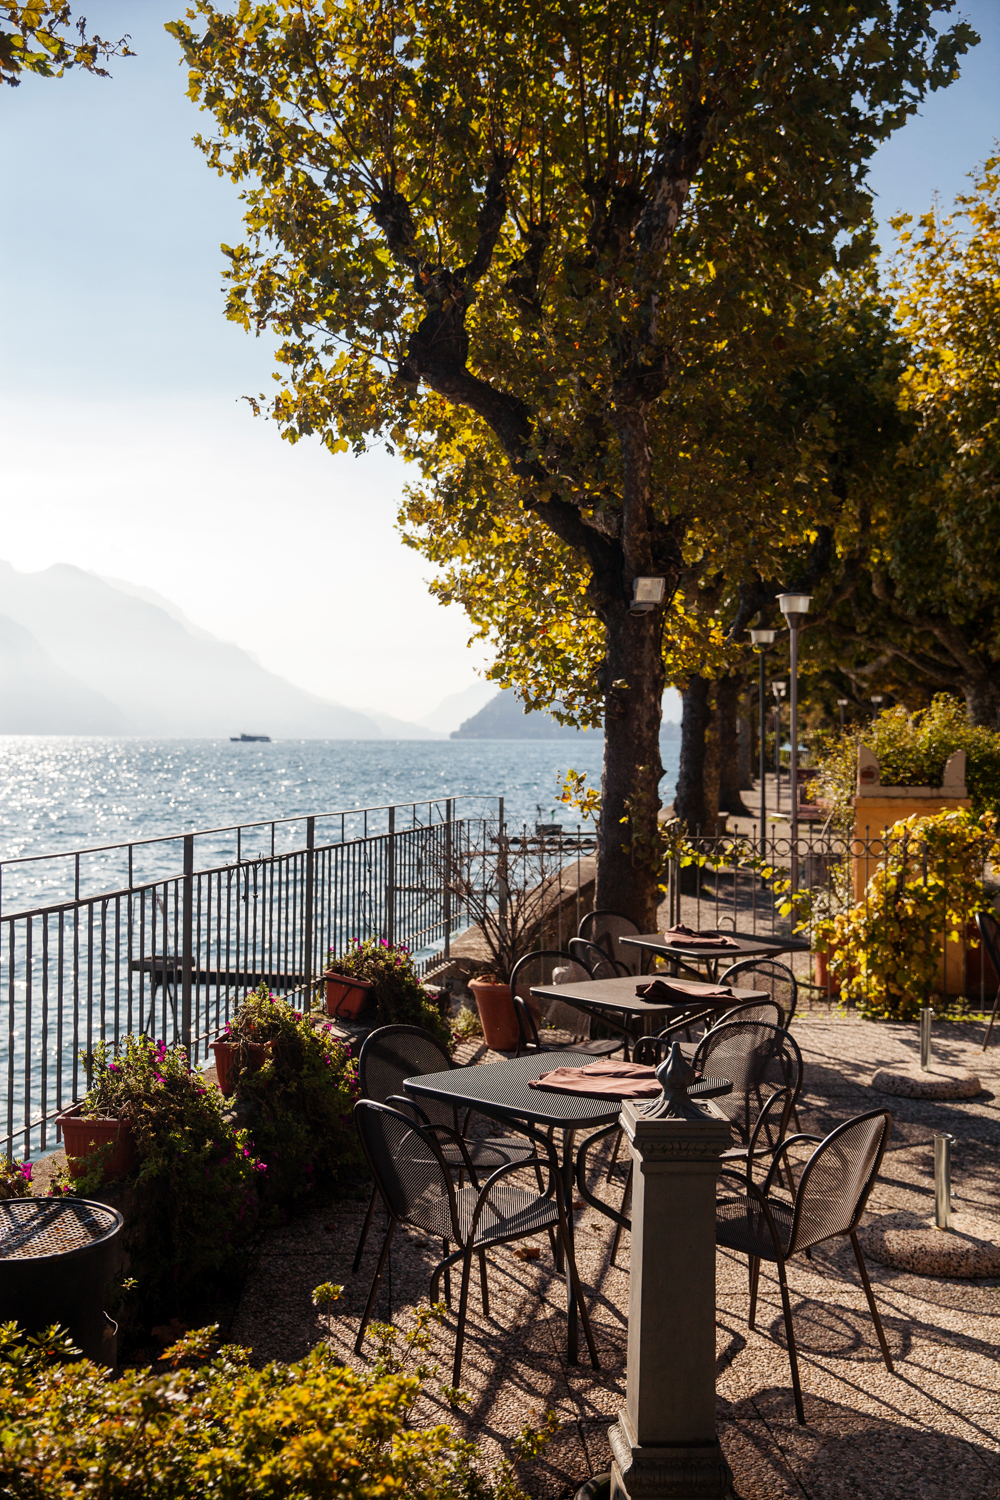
696	713
727	700
745	745
982	699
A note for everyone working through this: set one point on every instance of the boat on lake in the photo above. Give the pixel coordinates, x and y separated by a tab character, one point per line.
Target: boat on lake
249	739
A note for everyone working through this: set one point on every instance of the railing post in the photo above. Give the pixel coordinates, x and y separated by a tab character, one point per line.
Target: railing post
307	936
390	881
664	1442
187	940
448	808
502	891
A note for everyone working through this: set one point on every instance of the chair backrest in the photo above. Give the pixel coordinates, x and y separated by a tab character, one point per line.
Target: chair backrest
408	1168
837	1179
546	966
989	931
758	1058
606	928
595	960
766	974
393	1053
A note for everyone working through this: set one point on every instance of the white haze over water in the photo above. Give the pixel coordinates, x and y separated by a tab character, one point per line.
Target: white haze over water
60	793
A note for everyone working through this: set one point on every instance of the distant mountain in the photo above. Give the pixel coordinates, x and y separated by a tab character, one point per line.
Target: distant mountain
158	673
402	729
504	718
453	710
37	697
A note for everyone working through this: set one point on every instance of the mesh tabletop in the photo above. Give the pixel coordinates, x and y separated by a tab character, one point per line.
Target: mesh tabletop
31	1228
745	945
619	995
501	1089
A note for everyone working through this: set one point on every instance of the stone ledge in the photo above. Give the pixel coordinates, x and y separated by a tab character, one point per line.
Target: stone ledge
969	1250
910	1082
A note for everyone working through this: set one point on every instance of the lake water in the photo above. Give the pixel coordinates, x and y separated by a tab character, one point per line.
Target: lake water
61	793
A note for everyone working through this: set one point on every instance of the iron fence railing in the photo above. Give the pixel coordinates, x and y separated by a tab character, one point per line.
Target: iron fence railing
172	946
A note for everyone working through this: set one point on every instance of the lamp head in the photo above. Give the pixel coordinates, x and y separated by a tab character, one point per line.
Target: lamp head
794	607
762	638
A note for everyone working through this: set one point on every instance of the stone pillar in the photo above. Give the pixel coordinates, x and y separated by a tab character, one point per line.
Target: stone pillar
664	1442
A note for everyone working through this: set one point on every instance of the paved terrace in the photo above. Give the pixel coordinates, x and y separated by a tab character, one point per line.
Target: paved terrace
931	1431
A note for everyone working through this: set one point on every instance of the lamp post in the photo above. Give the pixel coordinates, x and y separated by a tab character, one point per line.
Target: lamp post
794	607
842	704
778	689
760	640
876	704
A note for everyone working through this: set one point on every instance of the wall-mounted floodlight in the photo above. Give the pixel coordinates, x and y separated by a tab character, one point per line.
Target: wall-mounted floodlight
647	593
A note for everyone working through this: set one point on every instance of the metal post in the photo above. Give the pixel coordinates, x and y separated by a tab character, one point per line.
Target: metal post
926	1017
449	805
763	755
793	632
187	941
308	899
502	878
942	1179
390	881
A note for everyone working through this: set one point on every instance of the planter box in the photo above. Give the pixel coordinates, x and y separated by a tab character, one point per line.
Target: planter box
346	996
225	1056
82	1137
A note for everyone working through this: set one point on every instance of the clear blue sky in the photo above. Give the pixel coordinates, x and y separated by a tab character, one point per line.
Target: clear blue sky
127	449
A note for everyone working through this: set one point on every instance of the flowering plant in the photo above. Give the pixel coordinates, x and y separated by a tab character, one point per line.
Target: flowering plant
400	998
15	1178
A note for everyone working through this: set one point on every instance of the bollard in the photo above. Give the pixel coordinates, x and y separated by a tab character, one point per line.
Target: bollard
942	1179
664	1442
926	1017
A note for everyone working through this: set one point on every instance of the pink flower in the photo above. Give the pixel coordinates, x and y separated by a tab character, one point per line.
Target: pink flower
26	1171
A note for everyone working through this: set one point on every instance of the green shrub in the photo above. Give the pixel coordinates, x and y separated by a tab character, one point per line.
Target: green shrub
911	751
213	1426
193	1198
299	1102
886	950
400	998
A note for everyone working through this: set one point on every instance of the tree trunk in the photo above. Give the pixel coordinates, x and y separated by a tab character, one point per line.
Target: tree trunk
727	698
696	714
982	699
628	853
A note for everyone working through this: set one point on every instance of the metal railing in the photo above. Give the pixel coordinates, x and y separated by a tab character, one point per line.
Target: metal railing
182	931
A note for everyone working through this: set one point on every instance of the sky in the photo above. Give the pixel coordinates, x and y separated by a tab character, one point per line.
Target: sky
127	448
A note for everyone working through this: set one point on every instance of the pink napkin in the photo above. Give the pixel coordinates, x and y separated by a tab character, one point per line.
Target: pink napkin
602	1080
679	991
686	937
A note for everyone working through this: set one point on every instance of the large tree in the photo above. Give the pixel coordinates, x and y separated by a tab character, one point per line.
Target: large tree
523	229
38	36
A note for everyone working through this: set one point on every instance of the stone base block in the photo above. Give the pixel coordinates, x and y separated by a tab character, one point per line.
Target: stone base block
644	1472
909	1081
969	1250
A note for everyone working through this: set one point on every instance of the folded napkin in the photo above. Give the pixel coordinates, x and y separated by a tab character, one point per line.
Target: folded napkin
682	991
686	937
602	1080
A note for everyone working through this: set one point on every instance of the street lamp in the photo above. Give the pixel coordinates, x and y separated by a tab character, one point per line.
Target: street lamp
794	607
760	640
778	689
876	704
842	704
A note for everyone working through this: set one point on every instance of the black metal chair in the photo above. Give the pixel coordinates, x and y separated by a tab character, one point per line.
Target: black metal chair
550	966
989	931
393	1053
833	1189
596	962
766	974
653	1049
606	929
418	1188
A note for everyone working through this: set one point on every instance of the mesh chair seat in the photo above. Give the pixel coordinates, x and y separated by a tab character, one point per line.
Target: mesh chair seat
487	1154
551	966
740	1225
510	1211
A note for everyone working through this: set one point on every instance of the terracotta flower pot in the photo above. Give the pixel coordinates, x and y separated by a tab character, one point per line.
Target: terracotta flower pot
225	1056
496	1011
345	996
82	1137
822	975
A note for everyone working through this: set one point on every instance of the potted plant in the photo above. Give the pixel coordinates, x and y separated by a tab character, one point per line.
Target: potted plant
346	995
234	1052
391	979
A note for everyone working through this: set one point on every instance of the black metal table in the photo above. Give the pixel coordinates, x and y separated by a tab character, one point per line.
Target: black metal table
501	1091
601	997
745	945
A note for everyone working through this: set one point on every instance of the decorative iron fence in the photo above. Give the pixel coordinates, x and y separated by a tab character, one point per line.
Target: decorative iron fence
180	935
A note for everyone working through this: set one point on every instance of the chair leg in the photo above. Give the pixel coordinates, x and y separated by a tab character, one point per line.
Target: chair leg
463	1307
483	1287
793	1358
588	1332
993	1016
618	1227
364	1231
614	1155
871	1302
446	1247
370	1304
753	1267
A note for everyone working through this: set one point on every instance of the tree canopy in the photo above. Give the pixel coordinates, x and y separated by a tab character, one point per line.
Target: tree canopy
533	247
38	37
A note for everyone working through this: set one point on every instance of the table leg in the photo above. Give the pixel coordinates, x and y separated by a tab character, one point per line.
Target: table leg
568	1188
